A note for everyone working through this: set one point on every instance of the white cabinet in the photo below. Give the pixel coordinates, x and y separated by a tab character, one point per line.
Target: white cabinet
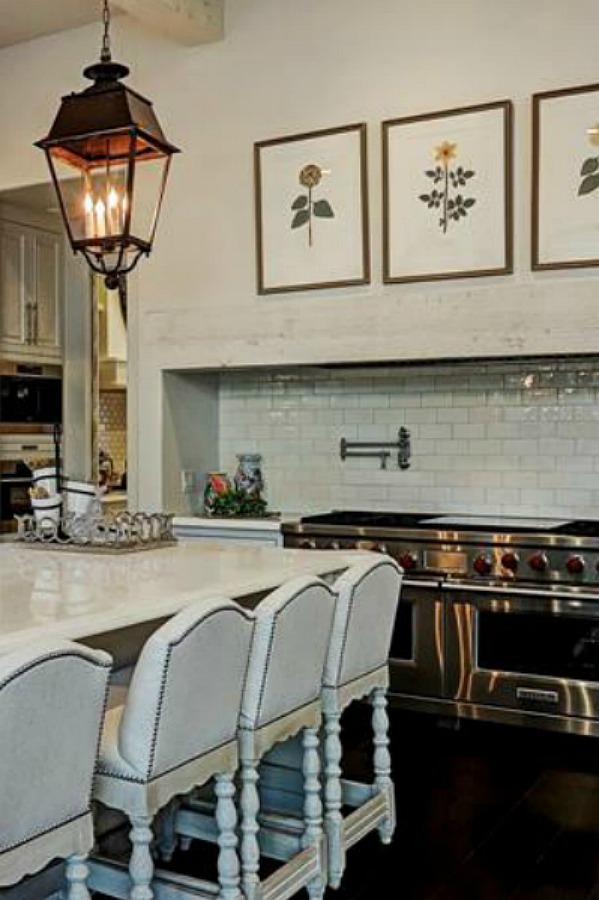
30	292
236	531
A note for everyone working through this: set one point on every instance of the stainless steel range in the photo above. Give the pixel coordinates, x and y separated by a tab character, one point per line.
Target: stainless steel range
499	617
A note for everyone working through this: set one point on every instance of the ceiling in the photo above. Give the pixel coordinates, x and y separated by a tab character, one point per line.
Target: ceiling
23	20
188	22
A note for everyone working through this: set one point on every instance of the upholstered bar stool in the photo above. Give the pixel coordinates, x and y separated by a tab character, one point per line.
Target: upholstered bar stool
282	698
357	666
52	699
176	729
367	597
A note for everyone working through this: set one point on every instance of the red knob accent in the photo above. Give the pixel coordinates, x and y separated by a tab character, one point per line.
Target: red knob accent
510	561
538	562
482	565
575	564
408	561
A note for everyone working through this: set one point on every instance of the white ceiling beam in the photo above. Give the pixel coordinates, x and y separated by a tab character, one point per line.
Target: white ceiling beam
188	22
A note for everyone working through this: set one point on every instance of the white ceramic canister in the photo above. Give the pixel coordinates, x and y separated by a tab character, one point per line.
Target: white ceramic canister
80	497
47	511
45	478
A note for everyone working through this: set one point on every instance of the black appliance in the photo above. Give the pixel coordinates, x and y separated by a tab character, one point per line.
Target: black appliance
15	481
499	617
30	395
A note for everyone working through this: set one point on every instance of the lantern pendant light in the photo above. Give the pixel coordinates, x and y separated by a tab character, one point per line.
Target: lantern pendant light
109	161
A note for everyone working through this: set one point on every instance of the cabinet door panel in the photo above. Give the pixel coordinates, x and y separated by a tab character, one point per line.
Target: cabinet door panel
48	279
12	285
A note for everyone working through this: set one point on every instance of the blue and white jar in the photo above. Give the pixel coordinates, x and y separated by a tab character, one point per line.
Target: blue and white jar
248	477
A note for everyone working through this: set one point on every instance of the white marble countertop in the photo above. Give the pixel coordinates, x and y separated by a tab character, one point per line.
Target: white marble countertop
57	593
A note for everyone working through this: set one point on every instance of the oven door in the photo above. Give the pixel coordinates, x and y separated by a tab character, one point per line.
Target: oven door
530	651
417	648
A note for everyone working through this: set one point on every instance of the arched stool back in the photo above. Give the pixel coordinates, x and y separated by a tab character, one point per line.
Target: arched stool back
177	729
282	698
367	599
52	699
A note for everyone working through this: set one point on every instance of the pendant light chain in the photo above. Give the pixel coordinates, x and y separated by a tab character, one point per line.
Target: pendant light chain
105	55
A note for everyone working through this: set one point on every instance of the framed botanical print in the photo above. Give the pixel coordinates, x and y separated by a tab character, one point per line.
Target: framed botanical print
312	210
447	194
565	195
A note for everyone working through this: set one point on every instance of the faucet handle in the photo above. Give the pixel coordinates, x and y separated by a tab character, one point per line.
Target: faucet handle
404	448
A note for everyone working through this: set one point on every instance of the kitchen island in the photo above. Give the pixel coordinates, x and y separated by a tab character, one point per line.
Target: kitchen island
100	598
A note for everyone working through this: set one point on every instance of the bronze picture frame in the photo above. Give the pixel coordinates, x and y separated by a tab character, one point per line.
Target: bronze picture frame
311	210
565	172
428	204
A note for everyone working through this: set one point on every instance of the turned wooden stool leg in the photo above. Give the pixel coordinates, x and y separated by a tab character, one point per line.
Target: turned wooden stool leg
76	874
333	792
141	866
167	834
250	806
313	807
382	760
226	818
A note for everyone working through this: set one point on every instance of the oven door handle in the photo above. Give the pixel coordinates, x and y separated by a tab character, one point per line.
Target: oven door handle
508	591
542	603
421	583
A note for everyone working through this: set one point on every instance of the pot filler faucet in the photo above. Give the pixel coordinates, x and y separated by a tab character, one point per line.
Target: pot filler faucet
403	446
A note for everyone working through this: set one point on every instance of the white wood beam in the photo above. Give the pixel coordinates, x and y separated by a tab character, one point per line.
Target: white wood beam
188	22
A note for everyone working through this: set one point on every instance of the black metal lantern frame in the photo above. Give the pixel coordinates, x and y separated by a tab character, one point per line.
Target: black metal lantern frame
109	162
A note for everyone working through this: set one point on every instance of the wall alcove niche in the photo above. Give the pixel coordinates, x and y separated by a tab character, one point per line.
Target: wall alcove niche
492	435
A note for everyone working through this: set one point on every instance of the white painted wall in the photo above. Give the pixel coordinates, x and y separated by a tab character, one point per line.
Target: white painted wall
287	67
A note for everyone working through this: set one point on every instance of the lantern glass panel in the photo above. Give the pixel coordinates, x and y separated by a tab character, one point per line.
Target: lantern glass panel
93	194
150	176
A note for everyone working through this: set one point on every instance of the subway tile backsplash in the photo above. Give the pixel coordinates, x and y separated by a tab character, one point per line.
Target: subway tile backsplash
490	438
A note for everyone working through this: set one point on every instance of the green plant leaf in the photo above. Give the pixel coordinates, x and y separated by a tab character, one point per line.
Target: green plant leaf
430	173
469	201
425	198
469	174
300	218
589	166
300	202
323	209
588	184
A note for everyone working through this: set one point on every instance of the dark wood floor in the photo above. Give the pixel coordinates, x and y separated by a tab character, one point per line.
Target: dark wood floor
485	812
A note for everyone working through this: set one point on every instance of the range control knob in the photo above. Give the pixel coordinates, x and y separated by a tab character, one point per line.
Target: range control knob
575	564
483	564
308	544
408	560
538	562
510	561
333	545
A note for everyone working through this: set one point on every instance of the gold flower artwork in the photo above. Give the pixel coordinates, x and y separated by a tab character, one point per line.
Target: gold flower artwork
448	197
589	171
305	208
